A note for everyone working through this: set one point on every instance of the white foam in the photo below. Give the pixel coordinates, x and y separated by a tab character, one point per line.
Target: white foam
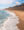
10	23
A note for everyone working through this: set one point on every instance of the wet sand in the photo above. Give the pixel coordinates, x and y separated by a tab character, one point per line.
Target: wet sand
21	18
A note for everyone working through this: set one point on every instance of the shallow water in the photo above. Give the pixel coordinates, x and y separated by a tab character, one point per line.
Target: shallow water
3	16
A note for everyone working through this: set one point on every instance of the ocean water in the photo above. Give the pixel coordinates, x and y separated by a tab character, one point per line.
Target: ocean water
3	16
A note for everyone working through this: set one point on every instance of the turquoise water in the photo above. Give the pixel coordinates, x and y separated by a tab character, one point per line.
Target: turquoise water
3	15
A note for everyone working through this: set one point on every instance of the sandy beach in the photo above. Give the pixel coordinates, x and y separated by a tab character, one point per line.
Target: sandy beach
21	18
